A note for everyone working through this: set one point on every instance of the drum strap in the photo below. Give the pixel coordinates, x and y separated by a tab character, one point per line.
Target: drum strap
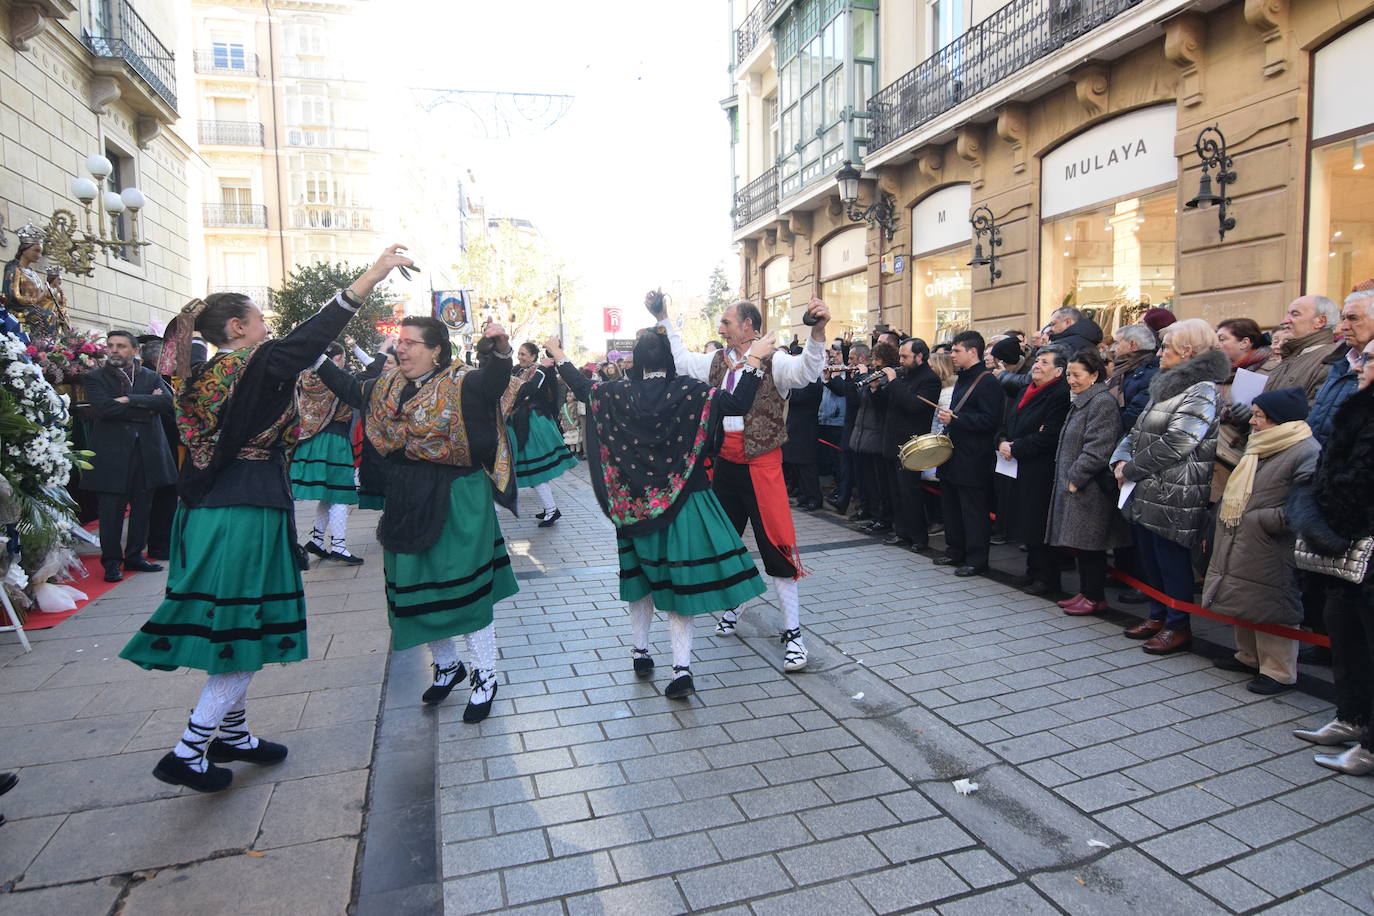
967	394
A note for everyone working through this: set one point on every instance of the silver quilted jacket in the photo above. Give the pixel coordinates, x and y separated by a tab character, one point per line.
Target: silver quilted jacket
1172	448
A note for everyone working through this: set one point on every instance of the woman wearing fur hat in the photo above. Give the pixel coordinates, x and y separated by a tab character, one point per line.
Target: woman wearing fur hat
1169	455
648	438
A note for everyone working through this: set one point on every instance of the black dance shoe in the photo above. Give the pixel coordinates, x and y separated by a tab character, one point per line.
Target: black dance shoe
550	519
437	692
172	769
317	549
346	559
644	665
221	751
682	687
476	712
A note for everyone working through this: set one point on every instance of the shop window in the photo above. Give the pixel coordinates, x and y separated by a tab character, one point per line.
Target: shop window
847	298
1113	262
777	295
1340	240
942	295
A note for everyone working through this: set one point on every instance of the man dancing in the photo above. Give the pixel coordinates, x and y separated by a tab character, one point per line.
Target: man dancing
748	473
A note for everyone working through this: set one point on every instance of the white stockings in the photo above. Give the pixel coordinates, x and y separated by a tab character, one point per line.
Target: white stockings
223	694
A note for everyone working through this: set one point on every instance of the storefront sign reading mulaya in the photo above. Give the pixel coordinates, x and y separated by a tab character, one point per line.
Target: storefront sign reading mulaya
1130	153
941	220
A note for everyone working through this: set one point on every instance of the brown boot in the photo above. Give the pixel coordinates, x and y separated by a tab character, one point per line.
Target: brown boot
1168	641
1143	630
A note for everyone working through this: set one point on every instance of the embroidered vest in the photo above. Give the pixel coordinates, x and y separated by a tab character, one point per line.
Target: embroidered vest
201	404
317	406
765	425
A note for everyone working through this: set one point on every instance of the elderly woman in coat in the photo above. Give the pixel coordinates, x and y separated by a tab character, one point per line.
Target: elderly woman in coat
1169	455
1250	576
1083	512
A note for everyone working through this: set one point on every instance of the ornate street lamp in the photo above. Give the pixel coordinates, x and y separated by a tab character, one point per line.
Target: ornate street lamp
985	224
1212	152
73	249
882	211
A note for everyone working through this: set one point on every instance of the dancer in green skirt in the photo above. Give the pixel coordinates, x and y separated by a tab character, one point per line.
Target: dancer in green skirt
648	438
322	465
541	455
440	427
234	598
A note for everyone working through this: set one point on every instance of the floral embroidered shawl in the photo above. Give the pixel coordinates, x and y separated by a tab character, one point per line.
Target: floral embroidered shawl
202	405
317	406
646	439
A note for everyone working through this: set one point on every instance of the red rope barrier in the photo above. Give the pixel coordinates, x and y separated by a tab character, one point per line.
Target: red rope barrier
1315	639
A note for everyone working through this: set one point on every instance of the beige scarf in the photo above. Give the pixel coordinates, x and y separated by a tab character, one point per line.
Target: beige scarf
1262	444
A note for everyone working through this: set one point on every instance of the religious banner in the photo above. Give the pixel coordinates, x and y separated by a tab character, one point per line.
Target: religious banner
451	307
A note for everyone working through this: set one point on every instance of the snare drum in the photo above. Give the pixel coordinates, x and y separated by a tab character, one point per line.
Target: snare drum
920	453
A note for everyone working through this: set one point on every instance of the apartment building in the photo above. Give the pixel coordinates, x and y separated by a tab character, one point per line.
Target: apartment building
83	78
1077	130
282	127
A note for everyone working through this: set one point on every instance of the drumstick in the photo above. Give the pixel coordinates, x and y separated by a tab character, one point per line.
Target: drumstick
952	414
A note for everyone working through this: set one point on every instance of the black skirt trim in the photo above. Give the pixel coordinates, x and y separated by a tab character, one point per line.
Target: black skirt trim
448	604
323	483
226	602
683	564
230	635
744	575
454	583
543	462
329	464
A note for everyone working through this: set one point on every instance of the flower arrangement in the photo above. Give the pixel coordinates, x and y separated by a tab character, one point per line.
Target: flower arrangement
36	460
66	361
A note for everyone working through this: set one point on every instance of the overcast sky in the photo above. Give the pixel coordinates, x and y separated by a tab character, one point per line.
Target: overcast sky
632	186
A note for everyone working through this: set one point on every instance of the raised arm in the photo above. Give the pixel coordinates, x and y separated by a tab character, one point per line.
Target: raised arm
494	360
298	350
579	384
345	385
696	365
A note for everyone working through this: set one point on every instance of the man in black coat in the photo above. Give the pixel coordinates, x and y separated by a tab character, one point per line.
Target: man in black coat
907	416
132	458
799	452
966	478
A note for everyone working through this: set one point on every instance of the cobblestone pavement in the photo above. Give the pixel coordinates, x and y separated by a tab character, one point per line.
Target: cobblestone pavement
1109	780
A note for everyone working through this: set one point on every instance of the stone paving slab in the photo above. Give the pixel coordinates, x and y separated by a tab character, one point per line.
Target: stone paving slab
587	791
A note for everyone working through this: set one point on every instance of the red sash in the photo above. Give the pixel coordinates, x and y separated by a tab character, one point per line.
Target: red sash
770	492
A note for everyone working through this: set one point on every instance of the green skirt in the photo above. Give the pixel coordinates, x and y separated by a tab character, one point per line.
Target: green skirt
234	599
697	565
322	468
451	587
544	457
369	500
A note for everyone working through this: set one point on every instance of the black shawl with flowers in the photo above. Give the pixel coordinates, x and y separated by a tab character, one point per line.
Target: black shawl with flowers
647	441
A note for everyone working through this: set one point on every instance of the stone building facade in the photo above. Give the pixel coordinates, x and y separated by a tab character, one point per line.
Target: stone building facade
84	77
1075	123
285	133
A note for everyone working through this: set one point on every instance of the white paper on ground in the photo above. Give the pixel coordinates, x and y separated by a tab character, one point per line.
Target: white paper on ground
1005	466
1126	490
1247	386
965	786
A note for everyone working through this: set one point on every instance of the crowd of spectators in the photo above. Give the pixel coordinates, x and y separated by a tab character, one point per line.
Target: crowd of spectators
1186	456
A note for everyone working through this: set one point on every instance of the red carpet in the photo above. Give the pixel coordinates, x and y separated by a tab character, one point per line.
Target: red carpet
94	585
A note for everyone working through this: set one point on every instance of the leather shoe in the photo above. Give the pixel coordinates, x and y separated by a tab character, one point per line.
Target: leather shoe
139	564
1068	601
1355	761
1332	734
1166	642
1266	686
1038	588
1143	630
1315	655
113	573
945	561
897	541
964	572
1132	596
1231	663
1085	607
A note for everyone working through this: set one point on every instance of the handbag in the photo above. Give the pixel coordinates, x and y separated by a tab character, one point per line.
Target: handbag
1352	565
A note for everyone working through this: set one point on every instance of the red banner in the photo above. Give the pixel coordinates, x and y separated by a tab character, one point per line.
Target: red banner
610	320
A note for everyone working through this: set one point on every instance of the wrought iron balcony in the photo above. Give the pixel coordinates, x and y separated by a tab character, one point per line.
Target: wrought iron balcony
327	138
261	295
1014	37
328	216
119	33
244	216
751	30
758	198
231	133
225	64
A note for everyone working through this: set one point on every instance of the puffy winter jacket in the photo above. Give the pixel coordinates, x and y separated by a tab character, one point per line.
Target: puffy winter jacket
1172	448
1341	382
1083	334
